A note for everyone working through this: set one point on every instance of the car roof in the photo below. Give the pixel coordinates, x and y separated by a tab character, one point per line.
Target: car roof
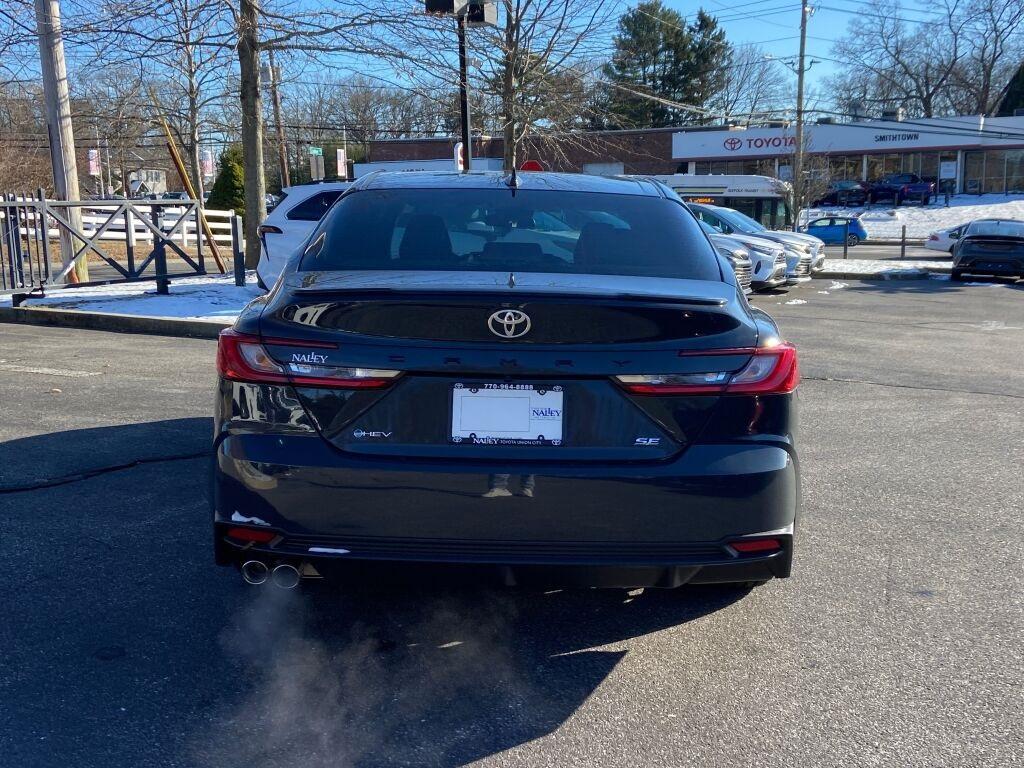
531	180
1011	227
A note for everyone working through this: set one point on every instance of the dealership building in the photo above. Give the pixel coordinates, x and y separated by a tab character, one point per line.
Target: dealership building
962	154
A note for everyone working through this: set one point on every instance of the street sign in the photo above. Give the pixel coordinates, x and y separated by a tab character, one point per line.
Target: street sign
316	151
481	14
444	7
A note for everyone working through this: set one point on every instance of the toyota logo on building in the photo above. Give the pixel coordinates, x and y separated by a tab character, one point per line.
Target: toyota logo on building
732	144
509	323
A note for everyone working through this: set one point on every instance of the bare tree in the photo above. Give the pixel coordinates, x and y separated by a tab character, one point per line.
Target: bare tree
893	62
535	64
753	86
112	106
994	46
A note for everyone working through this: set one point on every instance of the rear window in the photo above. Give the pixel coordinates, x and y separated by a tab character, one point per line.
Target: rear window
998	228
495	230
314	208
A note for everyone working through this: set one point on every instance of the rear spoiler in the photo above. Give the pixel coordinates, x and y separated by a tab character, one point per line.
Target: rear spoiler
390	293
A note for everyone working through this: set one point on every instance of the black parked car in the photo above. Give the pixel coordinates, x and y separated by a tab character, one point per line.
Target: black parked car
549	378
990	247
901	187
844	193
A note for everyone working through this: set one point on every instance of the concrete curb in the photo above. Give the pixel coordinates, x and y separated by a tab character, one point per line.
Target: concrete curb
109	321
872	276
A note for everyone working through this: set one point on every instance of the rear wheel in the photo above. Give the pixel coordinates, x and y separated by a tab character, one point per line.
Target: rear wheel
925	199
852	240
896	200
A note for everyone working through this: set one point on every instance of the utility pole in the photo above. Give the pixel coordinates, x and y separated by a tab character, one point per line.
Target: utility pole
467	152
59	129
275	96
798	160
252	127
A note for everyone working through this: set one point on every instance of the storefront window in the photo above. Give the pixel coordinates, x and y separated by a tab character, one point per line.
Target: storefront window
947	185
1015	170
929	168
995	172
974	172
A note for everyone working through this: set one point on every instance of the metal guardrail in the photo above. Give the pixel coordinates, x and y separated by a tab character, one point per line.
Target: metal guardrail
41	239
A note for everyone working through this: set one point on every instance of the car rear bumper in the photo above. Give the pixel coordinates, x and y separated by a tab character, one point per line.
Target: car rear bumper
643	524
989	266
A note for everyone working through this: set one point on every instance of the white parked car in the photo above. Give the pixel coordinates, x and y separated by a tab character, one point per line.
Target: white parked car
737	256
805	253
767	258
945	239
289	225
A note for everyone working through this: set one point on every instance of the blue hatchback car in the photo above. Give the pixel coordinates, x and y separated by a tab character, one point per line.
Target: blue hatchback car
831	230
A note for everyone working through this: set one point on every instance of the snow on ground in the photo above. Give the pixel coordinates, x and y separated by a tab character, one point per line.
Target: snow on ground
882	266
212	297
885	222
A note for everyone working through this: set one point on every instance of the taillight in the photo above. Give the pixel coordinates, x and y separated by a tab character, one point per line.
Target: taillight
268	229
770	371
933	237
755	546
241	357
251	534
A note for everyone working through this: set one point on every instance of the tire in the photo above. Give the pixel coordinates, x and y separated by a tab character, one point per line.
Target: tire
852	240
925	199
956	275
896	201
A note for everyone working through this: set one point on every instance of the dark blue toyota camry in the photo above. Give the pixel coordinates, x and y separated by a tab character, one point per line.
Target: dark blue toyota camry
547	378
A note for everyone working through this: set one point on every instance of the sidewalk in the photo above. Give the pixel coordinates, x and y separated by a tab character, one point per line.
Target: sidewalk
884	269
196	306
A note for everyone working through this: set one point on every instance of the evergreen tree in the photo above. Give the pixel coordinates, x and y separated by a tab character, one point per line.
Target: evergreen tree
228	193
1013	95
658	53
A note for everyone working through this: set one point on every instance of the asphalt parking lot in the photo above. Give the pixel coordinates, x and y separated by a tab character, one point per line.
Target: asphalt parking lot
886	251
896	643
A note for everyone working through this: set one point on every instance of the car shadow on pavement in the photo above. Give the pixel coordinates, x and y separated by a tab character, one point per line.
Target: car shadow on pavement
75	453
128	646
931	285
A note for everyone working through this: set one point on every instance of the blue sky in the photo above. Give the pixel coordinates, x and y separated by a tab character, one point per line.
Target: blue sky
766	22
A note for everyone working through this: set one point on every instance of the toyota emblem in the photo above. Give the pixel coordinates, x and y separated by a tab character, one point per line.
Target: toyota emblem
732	144
509	323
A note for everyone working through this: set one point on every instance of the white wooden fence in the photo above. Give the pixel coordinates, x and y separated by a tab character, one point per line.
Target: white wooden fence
98	214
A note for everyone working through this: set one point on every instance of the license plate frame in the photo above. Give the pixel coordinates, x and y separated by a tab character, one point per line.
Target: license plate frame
510	415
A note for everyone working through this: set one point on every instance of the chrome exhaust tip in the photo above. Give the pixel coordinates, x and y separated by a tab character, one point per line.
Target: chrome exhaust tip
255	572
286	576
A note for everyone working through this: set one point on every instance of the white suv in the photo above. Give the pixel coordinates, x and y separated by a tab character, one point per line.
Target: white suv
289	225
